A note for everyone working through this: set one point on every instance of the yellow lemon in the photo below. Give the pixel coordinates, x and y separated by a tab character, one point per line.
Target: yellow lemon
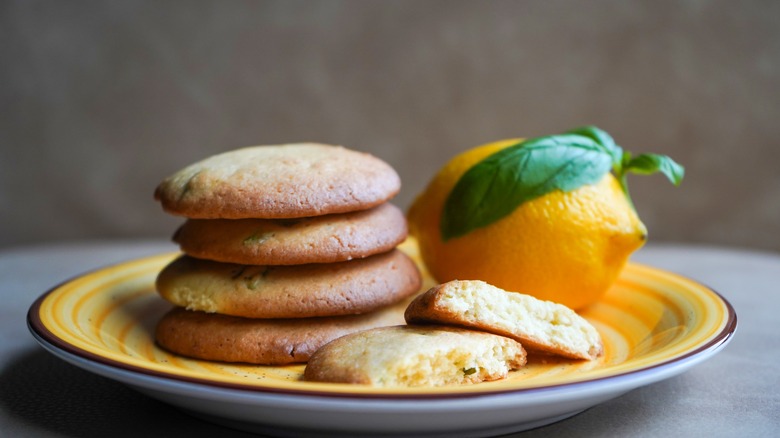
567	247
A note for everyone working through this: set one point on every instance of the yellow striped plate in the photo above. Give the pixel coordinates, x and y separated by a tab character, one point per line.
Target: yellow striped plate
654	324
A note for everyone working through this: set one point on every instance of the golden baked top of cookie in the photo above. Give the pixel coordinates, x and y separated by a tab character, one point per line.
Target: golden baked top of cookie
279	181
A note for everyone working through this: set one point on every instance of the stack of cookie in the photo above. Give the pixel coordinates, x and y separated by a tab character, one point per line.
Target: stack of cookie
285	248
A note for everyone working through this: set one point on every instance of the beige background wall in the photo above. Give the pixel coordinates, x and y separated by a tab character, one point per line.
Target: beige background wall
100	100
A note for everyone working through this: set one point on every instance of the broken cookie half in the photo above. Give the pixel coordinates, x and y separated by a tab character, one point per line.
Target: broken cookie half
415	356
540	326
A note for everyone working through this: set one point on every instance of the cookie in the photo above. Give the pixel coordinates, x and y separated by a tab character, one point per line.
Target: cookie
279	181
224	338
415	356
298	291
319	239
539	325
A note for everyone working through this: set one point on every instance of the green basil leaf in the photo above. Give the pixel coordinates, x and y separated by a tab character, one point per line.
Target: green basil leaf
497	185
647	164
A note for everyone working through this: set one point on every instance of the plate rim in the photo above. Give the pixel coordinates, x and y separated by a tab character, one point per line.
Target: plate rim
41	333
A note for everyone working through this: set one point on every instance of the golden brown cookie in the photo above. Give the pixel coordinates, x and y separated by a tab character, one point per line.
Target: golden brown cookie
415	356
319	239
224	338
299	291
539	325
279	181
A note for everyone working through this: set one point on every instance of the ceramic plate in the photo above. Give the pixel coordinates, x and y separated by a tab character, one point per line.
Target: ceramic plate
655	325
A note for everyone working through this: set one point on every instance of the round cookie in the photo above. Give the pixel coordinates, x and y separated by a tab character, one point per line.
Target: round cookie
319	239
279	181
260	341
297	291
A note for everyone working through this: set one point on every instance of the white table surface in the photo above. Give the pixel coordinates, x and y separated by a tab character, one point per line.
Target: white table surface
735	393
